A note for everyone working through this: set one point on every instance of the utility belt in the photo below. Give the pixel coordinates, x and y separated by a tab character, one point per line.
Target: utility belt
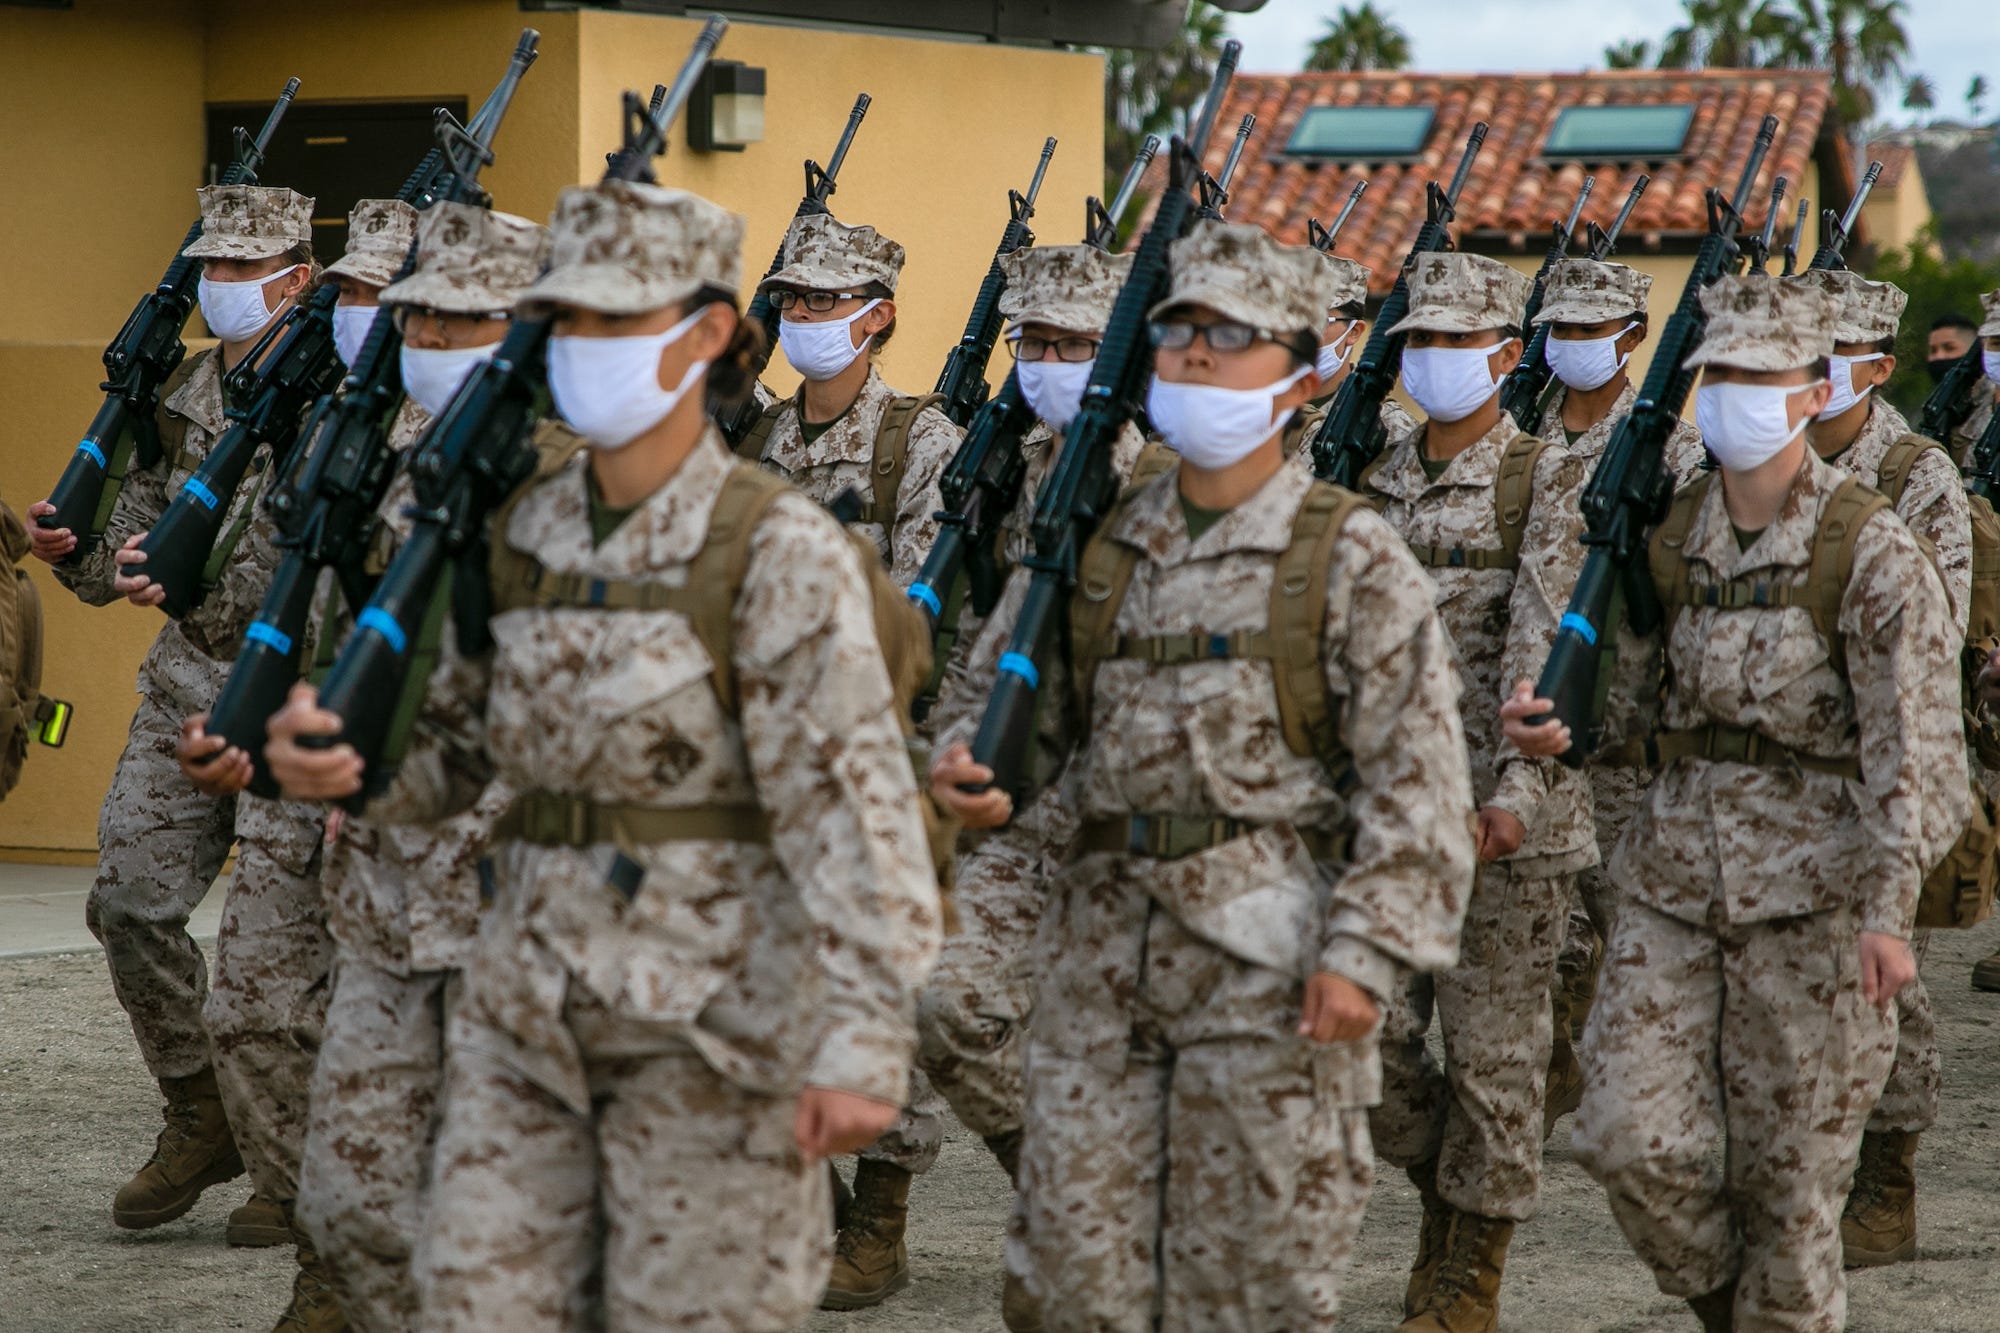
1171	837
557	819
1728	744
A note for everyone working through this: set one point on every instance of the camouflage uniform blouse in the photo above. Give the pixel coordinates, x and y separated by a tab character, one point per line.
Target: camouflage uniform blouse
1933	505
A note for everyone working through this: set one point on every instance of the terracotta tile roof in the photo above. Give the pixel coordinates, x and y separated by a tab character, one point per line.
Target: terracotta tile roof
1514	195
1895	159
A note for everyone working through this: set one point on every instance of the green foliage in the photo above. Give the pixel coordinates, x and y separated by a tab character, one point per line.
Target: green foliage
1154	92
1920	94
1360	38
1863	42
1636	54
1936	287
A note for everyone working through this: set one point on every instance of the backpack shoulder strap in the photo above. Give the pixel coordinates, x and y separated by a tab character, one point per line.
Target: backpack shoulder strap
715	575
1364	485
892	453
1514	490
1103	575
1666	552
173	427
1893	473
1854	502
1154	458
751	447
513	573
1297	619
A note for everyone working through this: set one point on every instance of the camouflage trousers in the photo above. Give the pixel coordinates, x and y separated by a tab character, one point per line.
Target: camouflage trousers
972	1016
1480	1115
161	845
1614	798
912	1143
267	1000
375	1099
1910	1098
1758	1033
679	1200
1213	1178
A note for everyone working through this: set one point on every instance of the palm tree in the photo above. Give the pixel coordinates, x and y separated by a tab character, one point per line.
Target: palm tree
1360	38
1153	92
1975	97
1920	93
1733	34
1636	54
1863	42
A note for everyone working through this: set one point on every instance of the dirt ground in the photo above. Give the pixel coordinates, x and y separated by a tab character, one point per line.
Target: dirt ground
77	1114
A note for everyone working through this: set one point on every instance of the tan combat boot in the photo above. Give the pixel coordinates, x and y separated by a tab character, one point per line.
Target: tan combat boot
1879	1225
1464	1295
256	1225
314	1307
1986	973
193	1151
1432	1236
1714	1309
870	1263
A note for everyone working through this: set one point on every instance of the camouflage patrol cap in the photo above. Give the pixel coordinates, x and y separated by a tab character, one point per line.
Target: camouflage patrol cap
1460	293
1069	287
250	222
1241	272
825	255
1863	311
1588	291
623	248
1991	308
1351	287
379	232
1757	322
471	260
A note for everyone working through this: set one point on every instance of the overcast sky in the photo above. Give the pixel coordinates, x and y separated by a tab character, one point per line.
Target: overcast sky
1951	40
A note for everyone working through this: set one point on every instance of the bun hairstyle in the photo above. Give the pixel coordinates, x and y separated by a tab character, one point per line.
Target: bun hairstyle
733	374
302	253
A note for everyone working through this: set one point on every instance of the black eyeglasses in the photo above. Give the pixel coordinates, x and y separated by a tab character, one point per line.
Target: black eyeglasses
1073	347
1223	336
784	298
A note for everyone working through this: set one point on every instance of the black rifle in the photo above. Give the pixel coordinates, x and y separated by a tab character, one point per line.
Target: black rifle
325	509
982	483
1525	383
1955	397
1792	241
293	366
144	355
1836	228
963	382
1215	189
1982	465
1757	250
471	459
1322	238
1632	485
1082	484
736	421
1350	436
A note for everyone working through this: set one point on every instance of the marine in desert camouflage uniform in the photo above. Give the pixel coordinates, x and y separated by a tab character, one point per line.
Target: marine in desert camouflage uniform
1341	339
161	841
1985	972
1470	1134
713	897
1598	315
1761	935
1197	1151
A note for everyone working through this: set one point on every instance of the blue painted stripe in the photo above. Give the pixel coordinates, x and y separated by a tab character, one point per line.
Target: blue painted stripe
89	446
200	492
384	624
921	594
1019	664
266	633
1571	620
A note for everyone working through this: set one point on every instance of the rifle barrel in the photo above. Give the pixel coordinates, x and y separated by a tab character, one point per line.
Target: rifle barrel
1465	161
1576	210
854	119
1610	238
1130	185
1041	170
1861	193
1346	211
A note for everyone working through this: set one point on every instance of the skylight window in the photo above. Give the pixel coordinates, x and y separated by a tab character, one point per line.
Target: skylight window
1361	133
1604	133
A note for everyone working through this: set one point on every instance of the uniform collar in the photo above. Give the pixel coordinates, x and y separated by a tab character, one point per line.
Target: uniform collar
1402	477
199	398
1153	522
667	528
1593	440
1884	426
851	437
1786	544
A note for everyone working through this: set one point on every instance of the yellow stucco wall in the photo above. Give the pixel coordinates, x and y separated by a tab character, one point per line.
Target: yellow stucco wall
1893	218
103	106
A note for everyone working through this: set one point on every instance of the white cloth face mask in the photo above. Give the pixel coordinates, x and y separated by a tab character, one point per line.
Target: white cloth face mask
819	351
1333	355
609	388
350	329
1991	360
431	375
1450	383
1587	363
1744	425
1212	427
1054	389
1840	374
236	311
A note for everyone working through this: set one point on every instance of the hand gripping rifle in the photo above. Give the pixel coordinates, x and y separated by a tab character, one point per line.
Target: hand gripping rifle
137	362
1527	380
1534	373
982	483
963	382
1082	484
736	422
1836	228
471	459
1322	238
1631	487
1792	241
1350	437
270	390
325	509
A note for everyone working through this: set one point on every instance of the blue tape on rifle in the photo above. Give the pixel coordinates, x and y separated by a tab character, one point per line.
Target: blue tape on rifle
1018	664
1571	620
384	624
922	594
96	454
266	633
200	492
